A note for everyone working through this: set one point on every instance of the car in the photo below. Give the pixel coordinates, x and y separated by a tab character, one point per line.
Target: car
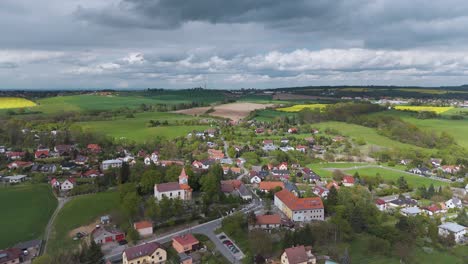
222	237
123	242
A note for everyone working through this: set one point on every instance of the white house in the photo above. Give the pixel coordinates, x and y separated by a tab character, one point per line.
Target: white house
155	156
320	191
410	211
454	203
147	161
457	230
68	184
15	179
255	180
2	149
108	164
144	228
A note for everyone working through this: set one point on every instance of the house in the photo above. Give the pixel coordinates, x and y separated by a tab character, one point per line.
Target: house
185	258
63	150
333	184
267	222
267	186
299	209
32	246
2	149
11	256
14	155
226	161
320	191
211	132
41	154
381	204
19	165
301	148
154	156
15	179
433	209
108	164
255	179
290	186
454	203
292	130
283	166
284	141
244	193
435	162
44	168
172	190
410	211
450	169
185	243
144	228
215	154
203	164
68	184
405	162
348	181
151	252
259	130
298	255
286	148
105	219
107	234
81	160
402	202
54	183
92	174
458	231
267	142
94	148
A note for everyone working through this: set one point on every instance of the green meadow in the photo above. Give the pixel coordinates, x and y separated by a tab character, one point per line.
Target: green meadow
80	211
137	128
26	212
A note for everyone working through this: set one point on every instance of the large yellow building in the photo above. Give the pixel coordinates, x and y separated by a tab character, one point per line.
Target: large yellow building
148	253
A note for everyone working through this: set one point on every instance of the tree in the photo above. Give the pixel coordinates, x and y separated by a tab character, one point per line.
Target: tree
211	184
132	235
91	254
430	191
261	242
338	175
402	184
124	173
332	197
130	204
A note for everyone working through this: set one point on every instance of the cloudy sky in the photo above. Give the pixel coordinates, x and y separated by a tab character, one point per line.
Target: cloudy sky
231	44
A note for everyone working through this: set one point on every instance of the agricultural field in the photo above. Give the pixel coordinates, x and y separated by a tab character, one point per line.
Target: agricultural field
436	109
299	107
137	129
80	211
430	91
27	210
233	111
15	102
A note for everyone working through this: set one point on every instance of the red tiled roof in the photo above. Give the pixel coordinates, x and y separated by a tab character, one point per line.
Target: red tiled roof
270	185
10	254
274	219
379	201
333	183
296	255
142	224
38	153
167	187
186	240
294	203
348	179
141	250
230	185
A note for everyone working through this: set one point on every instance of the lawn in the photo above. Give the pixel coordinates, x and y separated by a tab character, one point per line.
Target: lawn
80	211
15	102
137	128
26	212
389	175
321	168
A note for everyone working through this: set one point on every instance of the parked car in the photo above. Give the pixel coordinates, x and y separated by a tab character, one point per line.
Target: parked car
123	242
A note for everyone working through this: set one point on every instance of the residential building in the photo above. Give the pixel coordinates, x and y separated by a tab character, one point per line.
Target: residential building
109	164
320	191
15	179
410	211
255	179
381	204
402	202
298	255
19	165
94	148
144	228
348	181
299	209
68	184
454	203
151	252
267	186
458	231
267	222
41	154
185	243
10	256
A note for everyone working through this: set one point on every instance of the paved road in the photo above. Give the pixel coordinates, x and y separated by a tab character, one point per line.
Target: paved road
390	169
205	229
61	203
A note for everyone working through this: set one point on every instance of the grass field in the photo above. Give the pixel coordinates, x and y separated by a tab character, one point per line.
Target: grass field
26	211
299	107
436	109
430	91
270	115
137	129
15	102
389	175
456	128
369	135
82	210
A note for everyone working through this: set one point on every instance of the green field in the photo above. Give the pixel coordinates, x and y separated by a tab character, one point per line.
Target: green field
137	129
389	175
82	210
269	115
369	135
26	212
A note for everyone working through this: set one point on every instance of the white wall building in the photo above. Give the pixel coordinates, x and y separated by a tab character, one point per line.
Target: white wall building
457	230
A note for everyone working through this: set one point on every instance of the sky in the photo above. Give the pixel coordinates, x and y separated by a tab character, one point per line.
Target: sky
131	44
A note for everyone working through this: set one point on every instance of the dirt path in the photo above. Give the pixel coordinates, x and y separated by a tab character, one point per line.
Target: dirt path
61	203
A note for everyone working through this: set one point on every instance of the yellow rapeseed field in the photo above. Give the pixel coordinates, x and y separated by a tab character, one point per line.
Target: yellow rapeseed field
15	102
297	108
436	109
